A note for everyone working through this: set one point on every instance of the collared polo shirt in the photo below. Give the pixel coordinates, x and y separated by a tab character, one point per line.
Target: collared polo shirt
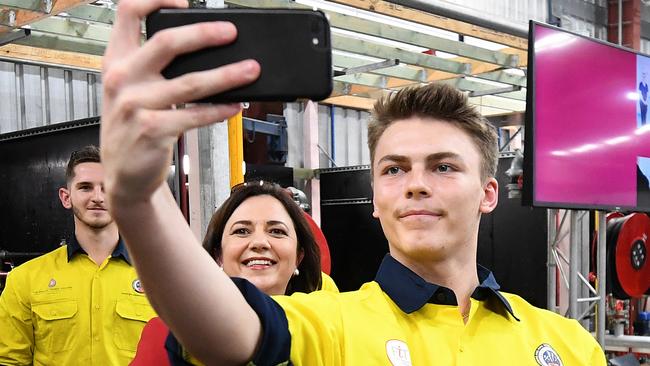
401	320
63	309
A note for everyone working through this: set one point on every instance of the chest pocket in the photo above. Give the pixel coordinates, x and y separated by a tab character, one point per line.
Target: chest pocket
131	315
55	325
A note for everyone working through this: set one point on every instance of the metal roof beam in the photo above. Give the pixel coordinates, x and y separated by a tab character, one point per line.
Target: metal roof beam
399	71
72	28
11	37
378	29
373	81
63	43
353	45
437	21
93	13
503	77
40	6
370	67
19	18
494	101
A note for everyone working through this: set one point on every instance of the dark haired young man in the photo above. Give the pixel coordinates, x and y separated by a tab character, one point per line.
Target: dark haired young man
433	162
82	303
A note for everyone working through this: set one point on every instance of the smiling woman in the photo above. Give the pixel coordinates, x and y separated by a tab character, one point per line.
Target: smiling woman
260	234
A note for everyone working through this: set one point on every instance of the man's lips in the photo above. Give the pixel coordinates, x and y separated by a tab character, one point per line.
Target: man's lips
419	213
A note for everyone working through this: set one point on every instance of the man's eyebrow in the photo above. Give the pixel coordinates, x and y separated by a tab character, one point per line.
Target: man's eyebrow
443	155
394	158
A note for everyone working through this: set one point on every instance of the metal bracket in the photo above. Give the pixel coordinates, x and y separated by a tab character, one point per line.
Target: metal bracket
507	89
8	17
370	67
14	36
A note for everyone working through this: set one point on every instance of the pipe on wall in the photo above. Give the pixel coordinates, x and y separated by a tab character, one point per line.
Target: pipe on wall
465	15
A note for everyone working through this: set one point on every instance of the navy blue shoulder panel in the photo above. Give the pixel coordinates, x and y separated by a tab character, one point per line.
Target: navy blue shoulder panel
275	346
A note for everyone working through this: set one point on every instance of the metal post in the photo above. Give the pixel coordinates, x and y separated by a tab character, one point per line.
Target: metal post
573	265
91	81
584	266
20	96
551	265
312	161
602	273
620	22
45	95
69	101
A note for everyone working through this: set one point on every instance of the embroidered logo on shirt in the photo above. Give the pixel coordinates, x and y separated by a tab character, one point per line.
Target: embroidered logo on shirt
137	286
545	355
398	353
52	283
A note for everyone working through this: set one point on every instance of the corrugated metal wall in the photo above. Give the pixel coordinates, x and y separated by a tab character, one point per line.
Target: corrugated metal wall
33	95
342	142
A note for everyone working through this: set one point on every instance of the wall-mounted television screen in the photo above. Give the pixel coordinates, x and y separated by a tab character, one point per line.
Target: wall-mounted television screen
587	128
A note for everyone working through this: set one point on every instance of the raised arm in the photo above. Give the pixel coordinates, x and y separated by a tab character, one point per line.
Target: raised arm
138	131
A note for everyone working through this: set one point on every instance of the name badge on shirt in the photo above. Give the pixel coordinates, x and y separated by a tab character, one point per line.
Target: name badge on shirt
545	355
137	286
398	353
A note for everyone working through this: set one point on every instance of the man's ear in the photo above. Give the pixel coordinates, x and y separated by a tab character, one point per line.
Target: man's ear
490	196
375	212
64	196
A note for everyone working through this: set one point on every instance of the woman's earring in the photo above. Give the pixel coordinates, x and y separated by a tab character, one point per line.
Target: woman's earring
296	272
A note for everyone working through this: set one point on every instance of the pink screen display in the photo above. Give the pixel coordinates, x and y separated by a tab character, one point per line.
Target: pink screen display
591	138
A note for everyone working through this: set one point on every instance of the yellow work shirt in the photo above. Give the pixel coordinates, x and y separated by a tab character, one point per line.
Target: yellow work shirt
63	309
401	320
178	355
327	283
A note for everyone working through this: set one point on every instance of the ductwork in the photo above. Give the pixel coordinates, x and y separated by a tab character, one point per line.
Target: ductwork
465	15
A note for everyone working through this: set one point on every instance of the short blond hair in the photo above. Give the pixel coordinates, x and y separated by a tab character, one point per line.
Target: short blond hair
441	102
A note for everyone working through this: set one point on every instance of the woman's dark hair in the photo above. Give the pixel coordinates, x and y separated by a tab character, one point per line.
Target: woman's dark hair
309	278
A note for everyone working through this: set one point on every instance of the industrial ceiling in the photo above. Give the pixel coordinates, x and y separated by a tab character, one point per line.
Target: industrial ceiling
378	46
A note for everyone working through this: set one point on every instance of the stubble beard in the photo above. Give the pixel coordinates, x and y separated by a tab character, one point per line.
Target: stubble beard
93	224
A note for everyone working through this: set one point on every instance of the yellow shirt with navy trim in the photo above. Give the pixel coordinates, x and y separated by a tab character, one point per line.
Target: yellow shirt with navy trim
179	356
63	309
399	319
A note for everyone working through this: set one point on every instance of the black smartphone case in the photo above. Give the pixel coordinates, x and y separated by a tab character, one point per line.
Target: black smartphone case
293	65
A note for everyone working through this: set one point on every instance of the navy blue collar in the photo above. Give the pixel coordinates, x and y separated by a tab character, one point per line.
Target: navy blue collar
119	251
411	292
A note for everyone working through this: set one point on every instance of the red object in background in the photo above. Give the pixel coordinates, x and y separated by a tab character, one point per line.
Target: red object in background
325	261
151	348
632	265
619	306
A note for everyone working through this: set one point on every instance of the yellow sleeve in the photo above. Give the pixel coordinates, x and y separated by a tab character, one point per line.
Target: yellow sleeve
17	335
597	357
328	283
316	329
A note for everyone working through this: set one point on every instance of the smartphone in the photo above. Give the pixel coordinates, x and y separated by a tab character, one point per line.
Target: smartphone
292	47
